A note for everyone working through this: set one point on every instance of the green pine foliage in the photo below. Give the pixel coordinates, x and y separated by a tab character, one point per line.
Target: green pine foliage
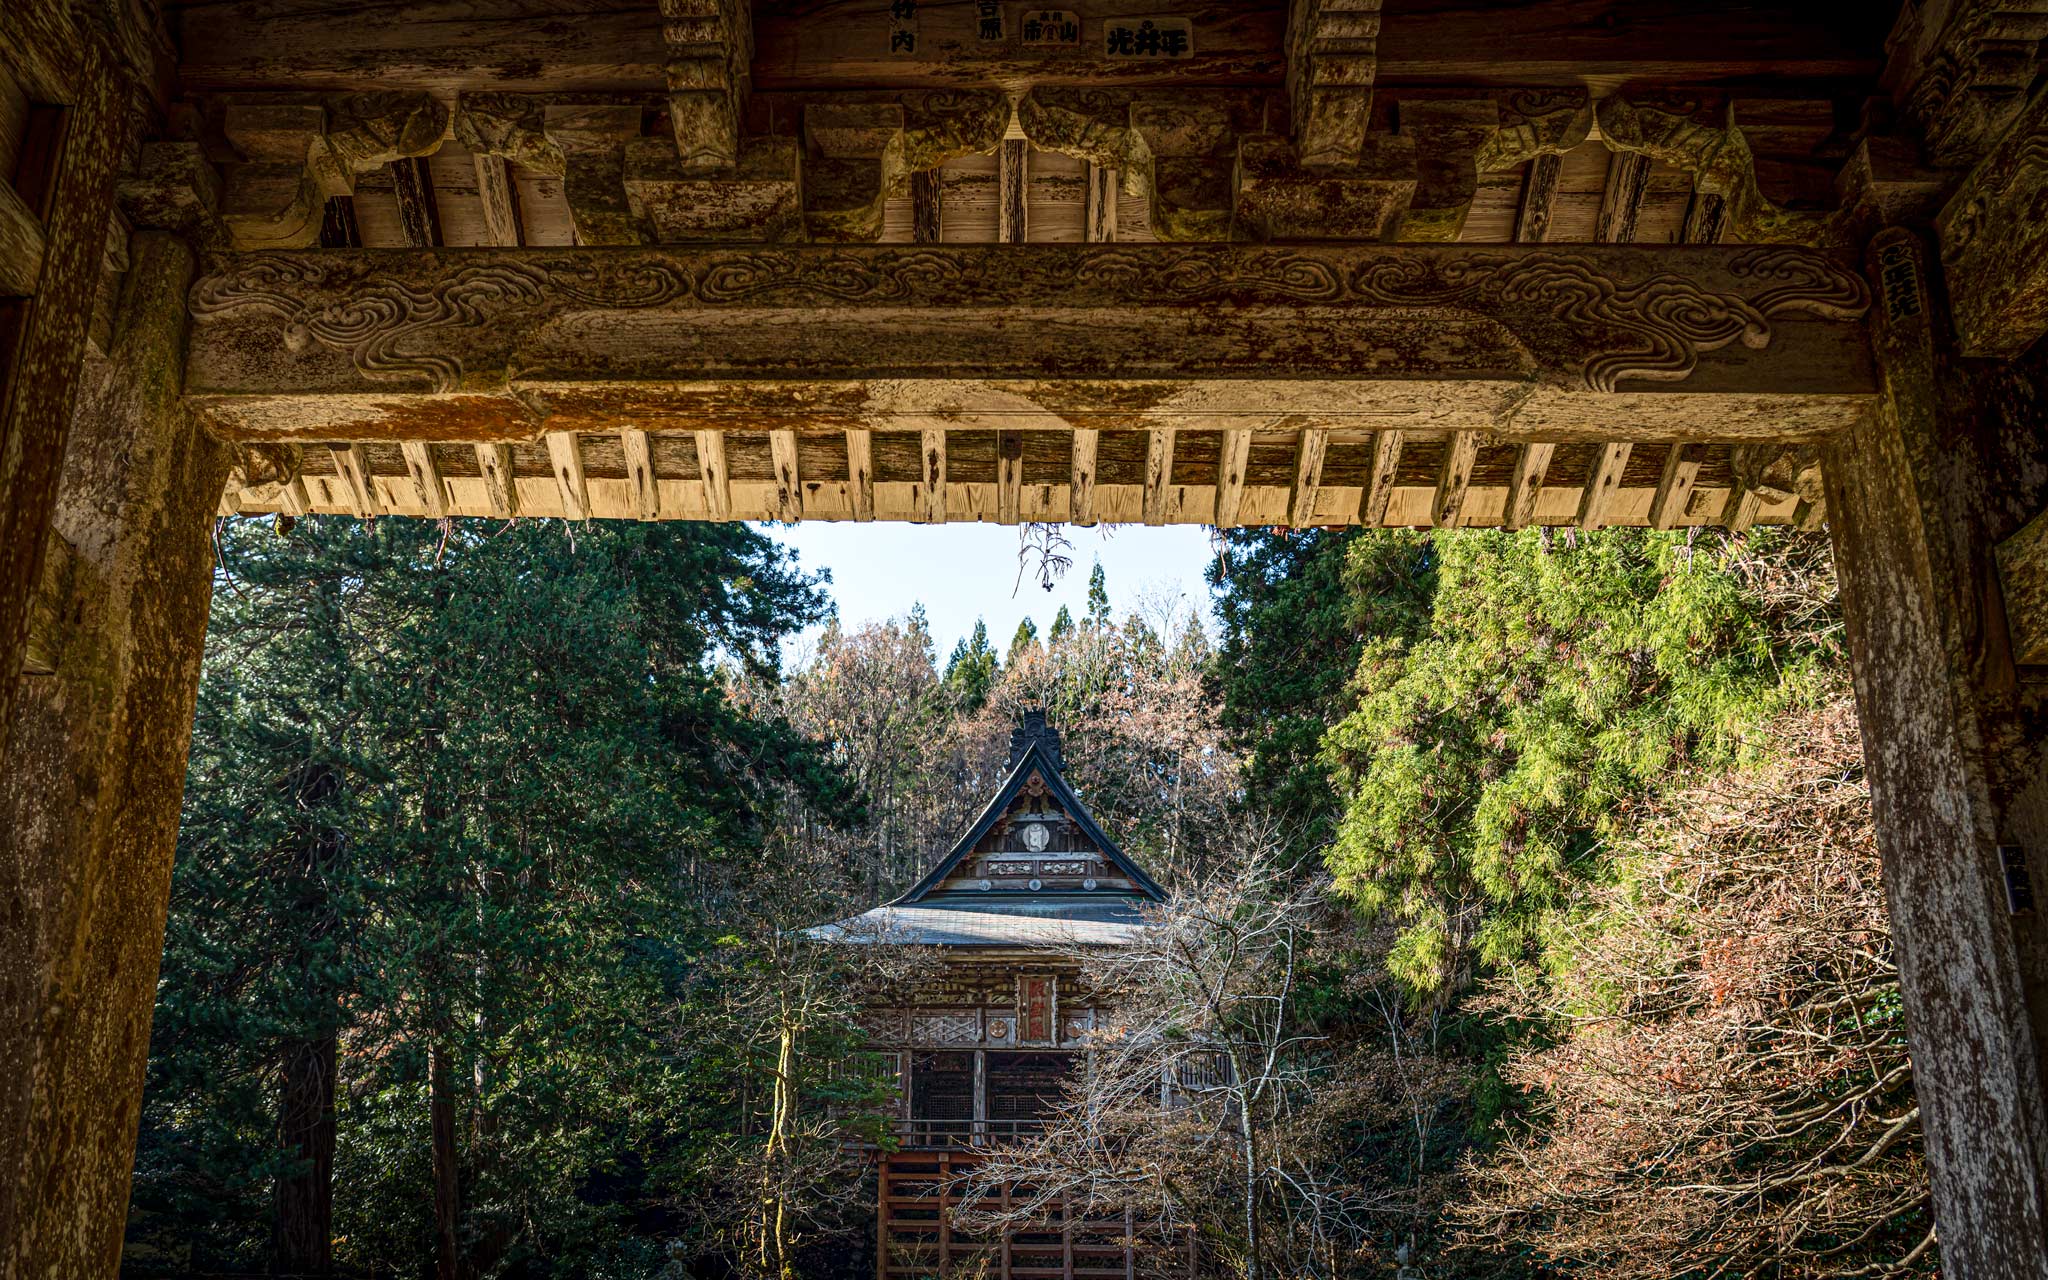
971	671
477	789
1551	679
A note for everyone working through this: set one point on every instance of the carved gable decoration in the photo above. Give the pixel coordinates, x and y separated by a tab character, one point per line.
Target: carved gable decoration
1035	837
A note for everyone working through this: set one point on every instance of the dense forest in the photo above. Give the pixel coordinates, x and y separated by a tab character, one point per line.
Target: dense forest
481	960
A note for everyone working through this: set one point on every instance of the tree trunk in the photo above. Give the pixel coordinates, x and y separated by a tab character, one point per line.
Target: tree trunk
302	1240
447	1185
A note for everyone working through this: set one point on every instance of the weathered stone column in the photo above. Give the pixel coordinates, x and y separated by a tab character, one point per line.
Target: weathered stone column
1951	463
93	775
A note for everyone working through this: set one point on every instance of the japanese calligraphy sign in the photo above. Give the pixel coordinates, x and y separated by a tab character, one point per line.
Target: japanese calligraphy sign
1035	1010
988	19
903	27
1148	38
1049	28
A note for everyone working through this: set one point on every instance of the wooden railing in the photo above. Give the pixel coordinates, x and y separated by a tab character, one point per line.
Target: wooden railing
965	1133
917	1238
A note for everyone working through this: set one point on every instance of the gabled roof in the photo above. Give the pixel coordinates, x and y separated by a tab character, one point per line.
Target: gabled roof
1033	748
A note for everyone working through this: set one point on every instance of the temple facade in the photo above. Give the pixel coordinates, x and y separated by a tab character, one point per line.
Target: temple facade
985	1042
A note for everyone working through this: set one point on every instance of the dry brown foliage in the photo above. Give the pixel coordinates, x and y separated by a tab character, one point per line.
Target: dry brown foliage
1727	1090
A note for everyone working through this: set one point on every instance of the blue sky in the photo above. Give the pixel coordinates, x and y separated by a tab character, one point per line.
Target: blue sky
966	571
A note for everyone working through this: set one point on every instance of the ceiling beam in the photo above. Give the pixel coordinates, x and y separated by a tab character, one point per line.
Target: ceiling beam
519	46
1589	342
789	493
1539	195
500	199
1009	475
1158	472
354	469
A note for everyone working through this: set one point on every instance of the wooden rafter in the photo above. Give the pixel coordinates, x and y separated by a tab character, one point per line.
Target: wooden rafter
1743	505
354	469
711	470
1158	472
1597	499
932	461
1525	483
1539	194
640	477
1013	184
1083	475
1379	484
1674	488
419	217
789	493
1009	475
1455	478
426	477
1621	203
860	473
1098	213
501	490
1308	476
565	457
500	201
1231	469
927	207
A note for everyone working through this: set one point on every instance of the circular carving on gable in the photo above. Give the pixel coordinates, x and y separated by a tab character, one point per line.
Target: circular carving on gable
1036	885
999	1028
987	884
1036	837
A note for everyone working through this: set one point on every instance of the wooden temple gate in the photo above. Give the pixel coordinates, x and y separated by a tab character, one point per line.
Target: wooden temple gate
1374	262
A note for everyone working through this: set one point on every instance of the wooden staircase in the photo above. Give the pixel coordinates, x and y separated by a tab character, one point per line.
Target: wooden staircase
917	1240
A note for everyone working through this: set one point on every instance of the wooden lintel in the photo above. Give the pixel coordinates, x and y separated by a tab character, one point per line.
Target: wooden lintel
1083	475
640	477
860	473
1009	475
932	464
711	471
1525	483
1308	476
1553	343
501	491
1455	478
1601	484
565	457
1674	488
789	494
1231	468
426	477
1379	484
1158	472
353	467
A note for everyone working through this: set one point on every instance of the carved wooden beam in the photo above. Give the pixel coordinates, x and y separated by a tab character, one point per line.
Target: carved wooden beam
1961	72
426	477
353	468
501	490
1544	343
1705	140
294	155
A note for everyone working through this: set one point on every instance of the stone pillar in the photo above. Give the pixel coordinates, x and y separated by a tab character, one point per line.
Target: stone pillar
94	770
1953	461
